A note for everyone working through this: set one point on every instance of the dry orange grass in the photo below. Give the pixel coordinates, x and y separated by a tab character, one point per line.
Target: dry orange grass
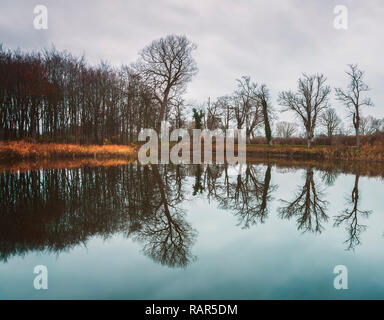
21	150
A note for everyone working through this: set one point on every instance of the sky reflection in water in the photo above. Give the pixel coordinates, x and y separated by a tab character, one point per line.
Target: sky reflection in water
204	232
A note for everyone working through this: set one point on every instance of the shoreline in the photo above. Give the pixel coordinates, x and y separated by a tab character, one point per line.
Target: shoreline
363	168
15	151
21	151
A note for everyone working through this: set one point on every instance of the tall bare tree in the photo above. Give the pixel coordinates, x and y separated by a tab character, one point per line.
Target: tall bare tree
167	66
246	107
352	97
308	102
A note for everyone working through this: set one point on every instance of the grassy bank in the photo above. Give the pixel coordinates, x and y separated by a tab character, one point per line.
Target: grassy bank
367	152
47	164
20	150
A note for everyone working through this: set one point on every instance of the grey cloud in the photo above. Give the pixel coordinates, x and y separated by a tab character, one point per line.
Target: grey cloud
272	41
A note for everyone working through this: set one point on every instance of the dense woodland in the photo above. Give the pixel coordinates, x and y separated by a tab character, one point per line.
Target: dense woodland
53	96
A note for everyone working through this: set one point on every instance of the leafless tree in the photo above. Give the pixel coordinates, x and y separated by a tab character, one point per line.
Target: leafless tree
331	121
213	115
246	107
352	97
226	112
308	102
285	129
167	66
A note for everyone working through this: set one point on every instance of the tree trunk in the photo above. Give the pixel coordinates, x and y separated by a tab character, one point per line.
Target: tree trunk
309	138
33	122
357	138
356	123
163	109
248	136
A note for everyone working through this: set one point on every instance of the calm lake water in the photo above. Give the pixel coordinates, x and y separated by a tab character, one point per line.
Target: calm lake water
198	232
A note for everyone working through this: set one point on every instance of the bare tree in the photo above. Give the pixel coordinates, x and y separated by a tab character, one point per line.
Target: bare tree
331	121
226	112
213	115
167	66
352	97
246	106
285	129
308	102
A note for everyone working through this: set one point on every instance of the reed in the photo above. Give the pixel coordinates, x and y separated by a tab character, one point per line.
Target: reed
21	150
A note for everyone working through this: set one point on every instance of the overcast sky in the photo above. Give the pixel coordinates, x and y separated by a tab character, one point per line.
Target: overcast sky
271	41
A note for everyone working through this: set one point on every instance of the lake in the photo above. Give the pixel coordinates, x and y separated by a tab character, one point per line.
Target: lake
260	231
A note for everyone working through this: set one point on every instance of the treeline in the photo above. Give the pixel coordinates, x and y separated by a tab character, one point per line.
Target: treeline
53	96
249	106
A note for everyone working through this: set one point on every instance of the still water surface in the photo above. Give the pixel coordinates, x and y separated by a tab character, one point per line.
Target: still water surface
194	232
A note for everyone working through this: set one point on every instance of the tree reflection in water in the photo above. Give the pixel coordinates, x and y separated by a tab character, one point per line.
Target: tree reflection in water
308	205
167	237
351	215
246	195
57	209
